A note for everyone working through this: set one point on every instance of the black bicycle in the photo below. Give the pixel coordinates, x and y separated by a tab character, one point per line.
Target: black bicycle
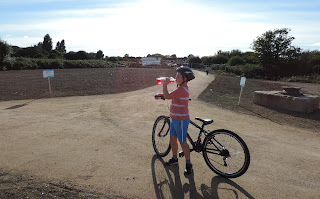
224	151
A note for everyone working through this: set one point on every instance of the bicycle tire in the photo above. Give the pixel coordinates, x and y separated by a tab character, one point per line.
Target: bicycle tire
232	148
161	136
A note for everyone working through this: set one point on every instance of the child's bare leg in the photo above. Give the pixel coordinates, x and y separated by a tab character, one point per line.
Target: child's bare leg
174	144
185	149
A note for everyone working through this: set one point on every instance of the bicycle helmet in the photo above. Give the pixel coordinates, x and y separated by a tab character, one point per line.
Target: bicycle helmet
186	72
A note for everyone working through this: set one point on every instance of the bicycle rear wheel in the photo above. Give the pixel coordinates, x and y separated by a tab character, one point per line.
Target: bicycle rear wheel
226	153
161	136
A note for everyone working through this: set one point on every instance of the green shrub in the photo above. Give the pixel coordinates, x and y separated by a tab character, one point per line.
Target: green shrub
248	70
219	59
315	78
22	63
316	69
57	63
236	60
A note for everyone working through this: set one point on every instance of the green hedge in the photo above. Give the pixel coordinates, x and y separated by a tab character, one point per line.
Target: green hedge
248	70
315	78
21	63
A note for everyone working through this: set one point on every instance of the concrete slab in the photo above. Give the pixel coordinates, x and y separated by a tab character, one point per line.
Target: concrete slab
280	99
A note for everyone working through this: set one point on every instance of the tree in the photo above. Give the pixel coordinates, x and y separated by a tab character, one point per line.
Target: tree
58	45
173	56
224	53
80	55
236	60
4	50
194	60
274	48
99	54
32	52
250	57
235	53
219	59
47	43
61	47
55	54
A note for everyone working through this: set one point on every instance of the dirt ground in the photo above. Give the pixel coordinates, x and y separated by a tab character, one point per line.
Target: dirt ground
30	84
225	90
100	147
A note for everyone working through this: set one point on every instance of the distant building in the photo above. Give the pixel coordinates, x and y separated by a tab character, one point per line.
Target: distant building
176	61
147	61
181	61
171	61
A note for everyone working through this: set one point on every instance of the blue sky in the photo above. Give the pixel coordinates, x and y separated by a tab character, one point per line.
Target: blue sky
141	27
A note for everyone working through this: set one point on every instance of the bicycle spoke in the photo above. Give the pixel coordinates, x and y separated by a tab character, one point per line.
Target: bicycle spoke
231	157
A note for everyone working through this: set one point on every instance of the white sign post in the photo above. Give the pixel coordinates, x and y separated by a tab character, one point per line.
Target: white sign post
242	84
48	74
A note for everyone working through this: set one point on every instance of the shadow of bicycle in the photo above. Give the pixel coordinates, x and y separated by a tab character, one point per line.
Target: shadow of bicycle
167	184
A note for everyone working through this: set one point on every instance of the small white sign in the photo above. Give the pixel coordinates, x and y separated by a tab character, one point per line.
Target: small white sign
243	81
48	73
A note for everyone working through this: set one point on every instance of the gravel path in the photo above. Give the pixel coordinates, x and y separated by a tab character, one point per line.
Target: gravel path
101	145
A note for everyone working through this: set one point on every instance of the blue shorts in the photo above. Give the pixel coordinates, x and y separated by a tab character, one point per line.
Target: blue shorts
179	128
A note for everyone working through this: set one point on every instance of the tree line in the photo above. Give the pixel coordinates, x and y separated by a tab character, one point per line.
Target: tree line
273	56
45	50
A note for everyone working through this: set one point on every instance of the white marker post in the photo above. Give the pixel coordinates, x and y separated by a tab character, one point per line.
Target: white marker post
242	84
48	74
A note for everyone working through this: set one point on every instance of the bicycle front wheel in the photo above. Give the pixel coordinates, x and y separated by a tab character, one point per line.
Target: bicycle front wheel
226	153
161	136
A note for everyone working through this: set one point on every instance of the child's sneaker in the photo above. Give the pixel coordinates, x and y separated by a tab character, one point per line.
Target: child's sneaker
188	169
171	162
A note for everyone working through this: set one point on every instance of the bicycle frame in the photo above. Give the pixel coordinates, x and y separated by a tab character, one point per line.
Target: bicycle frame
198	146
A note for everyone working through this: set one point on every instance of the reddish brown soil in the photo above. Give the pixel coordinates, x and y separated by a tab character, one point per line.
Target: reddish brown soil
30	84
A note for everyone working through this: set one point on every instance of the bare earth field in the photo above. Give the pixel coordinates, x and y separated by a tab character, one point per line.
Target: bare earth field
99	146
30	84
225	90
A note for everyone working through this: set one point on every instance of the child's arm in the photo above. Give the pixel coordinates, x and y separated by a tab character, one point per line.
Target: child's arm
165	89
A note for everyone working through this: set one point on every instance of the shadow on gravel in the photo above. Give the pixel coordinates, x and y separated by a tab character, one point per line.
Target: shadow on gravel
19	105
167	184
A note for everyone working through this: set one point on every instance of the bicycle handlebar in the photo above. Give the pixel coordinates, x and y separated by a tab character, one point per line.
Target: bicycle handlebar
162	97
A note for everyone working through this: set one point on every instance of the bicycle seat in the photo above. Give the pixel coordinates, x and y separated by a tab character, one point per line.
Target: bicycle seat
204	121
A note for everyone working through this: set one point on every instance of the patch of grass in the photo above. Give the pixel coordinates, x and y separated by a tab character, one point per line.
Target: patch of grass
306	79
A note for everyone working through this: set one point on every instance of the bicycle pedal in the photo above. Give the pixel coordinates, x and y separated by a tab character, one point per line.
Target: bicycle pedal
181	154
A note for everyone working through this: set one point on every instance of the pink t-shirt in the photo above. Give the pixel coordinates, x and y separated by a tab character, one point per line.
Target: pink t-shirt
179	104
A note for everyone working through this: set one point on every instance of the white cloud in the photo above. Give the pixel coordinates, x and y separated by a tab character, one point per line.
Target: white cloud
23	41
168	27
316	44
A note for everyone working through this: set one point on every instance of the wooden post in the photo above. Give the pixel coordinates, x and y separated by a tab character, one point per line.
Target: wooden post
242	84
49	86
240	95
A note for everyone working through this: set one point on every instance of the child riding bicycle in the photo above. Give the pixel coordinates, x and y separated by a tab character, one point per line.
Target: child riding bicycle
179	115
